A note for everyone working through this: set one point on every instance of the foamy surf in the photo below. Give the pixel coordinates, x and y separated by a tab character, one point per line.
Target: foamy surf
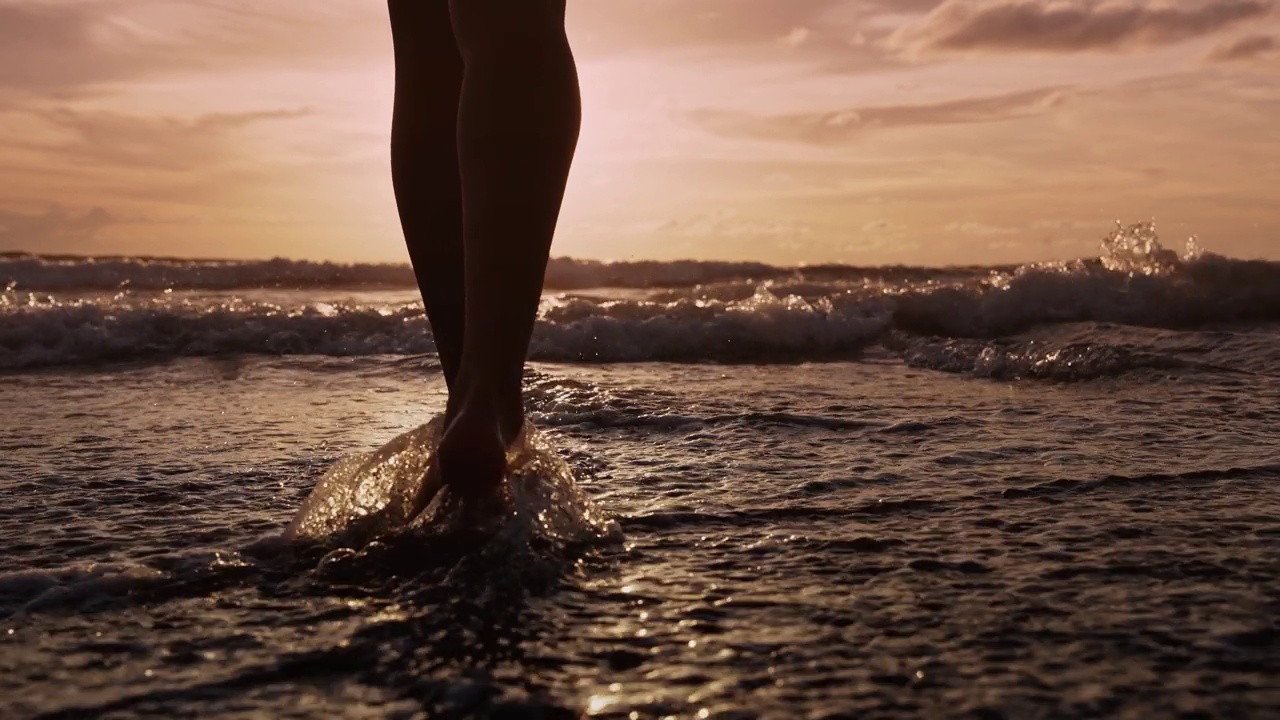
26	272
687	312
88	586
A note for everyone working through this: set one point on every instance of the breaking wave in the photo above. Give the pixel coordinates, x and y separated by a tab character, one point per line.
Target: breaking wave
703	312
23	272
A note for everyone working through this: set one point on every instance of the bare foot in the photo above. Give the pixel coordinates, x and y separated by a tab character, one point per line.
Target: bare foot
471	461
431	485
472	457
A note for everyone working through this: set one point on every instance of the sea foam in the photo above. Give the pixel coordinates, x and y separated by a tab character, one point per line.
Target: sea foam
692	312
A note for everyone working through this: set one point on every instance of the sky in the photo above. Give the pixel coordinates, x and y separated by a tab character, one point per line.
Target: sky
786	131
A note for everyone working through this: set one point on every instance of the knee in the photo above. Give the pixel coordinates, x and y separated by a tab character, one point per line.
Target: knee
508	27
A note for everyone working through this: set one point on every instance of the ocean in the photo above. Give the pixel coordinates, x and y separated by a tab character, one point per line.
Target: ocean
1038	491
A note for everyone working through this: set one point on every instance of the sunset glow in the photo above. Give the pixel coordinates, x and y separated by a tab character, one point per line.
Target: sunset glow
860	131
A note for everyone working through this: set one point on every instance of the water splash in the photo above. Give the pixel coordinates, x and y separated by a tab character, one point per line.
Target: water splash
1136	250
368	496
1194	250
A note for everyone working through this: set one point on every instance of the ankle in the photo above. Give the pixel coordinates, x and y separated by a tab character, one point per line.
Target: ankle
505	412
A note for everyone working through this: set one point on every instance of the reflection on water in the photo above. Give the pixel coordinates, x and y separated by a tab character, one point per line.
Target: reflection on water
857	539
365	496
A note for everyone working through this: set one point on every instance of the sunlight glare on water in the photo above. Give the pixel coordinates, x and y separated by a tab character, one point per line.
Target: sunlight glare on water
1042	490
371	494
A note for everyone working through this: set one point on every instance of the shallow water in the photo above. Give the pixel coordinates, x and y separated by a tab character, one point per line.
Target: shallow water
1046	491
851	539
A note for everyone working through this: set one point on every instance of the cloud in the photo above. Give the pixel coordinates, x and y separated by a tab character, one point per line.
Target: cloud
980	229
838	35
843	126
796	37
610	26
49	47
1245	48
64	47
1068	25
53	227
60	47
728	223
142	142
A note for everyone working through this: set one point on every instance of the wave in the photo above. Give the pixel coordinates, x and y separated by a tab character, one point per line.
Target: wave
21	272
960	320
582	331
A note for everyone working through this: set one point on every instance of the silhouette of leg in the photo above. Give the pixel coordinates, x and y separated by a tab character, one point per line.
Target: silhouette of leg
518	125
424	165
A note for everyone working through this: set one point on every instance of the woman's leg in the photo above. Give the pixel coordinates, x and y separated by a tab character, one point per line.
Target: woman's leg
424	165
518	123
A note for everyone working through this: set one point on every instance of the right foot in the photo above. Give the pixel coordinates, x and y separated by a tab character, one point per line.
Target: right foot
431	485
472	457
471	460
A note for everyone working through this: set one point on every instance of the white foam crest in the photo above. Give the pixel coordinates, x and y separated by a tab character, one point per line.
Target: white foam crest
30	272
823	315
53	274
89	331
83	585
760	327
35	273
1030	359
1158	292
763	326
